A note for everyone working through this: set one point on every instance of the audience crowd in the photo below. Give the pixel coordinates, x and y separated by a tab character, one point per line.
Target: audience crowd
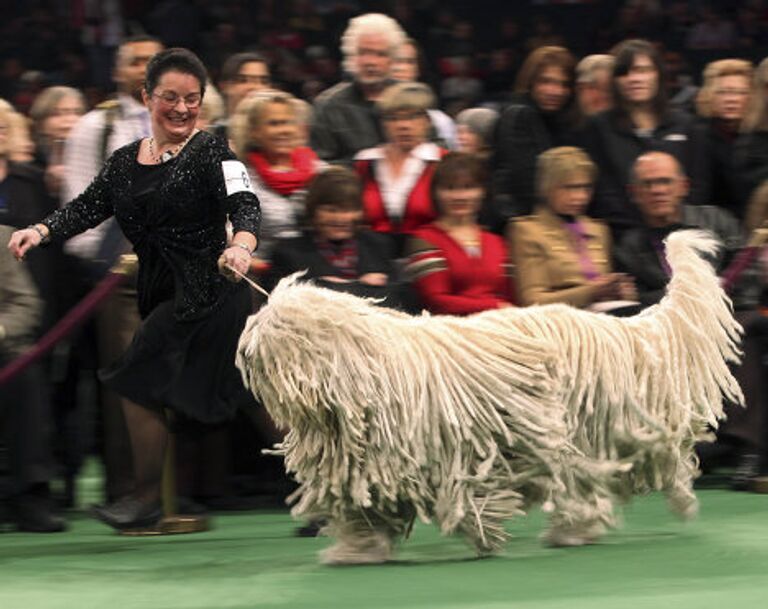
432	155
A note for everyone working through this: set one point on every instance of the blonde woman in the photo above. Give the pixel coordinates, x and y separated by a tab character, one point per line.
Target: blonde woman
53	115
25	199
559	253
268	138
722	103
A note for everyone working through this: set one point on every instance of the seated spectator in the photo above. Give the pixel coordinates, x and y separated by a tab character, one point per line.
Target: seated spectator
407	67
54	112
24	411
474	131
23	199
461	89
659	188
593	84
640	121
539	119
722	103
345	119
397	174
267	138
406	64
455	266
333	248
755	384
751	152
560	255
21	148
241	75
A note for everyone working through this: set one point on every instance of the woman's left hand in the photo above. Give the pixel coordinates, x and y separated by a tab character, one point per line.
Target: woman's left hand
627	288
234	262
375	279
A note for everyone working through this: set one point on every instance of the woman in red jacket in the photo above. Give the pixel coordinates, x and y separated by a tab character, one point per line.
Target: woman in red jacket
397	174
455	266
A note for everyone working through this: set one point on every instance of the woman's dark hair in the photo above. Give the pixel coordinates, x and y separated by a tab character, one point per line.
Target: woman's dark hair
233	64
625	53
541	59
457	168
174	60
337	186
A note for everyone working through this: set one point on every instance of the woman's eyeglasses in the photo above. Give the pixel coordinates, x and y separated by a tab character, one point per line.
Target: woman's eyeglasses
171	99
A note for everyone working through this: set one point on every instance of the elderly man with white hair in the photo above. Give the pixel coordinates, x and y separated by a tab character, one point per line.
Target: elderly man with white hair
345	119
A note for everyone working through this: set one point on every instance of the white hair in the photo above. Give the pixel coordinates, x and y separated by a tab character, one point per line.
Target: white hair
370	23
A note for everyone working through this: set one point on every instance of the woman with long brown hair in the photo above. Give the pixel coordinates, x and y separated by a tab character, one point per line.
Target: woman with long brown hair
540	118
640	121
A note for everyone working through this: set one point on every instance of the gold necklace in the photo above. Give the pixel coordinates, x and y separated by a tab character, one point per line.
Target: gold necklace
168	154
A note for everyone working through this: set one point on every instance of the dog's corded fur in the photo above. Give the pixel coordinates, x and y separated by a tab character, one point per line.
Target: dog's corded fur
468	421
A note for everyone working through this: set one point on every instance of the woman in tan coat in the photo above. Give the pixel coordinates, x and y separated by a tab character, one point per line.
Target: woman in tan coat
561	255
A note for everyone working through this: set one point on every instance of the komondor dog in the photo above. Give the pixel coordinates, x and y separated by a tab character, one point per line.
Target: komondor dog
470	421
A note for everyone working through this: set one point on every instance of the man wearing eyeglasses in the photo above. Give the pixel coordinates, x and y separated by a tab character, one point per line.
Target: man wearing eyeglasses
659	188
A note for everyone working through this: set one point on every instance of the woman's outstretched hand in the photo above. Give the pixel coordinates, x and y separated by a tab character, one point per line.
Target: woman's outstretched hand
22	241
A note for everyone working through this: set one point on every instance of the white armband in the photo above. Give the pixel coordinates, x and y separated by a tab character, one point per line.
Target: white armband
236	177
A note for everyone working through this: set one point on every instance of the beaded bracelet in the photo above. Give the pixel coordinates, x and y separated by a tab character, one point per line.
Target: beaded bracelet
43	237
242	246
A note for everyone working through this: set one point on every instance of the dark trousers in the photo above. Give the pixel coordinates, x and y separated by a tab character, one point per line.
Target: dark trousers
25	425
749	425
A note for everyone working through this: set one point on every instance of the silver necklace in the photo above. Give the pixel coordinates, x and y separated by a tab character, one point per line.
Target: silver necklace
168	154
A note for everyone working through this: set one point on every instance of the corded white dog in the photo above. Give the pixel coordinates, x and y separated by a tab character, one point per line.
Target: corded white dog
470	421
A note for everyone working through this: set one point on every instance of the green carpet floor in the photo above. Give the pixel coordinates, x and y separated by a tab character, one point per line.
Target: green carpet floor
252	560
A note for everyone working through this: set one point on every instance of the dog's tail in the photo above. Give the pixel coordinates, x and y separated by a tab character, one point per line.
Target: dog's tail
702	334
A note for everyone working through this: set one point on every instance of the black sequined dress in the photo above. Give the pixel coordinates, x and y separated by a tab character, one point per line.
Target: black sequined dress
174	214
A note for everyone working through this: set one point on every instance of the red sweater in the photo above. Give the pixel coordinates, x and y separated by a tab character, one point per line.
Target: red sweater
450	281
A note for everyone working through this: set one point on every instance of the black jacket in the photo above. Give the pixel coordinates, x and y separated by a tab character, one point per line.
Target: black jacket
725	190
25	200
344	122
610	140
178	227
638	254
301	253
521	134
751	162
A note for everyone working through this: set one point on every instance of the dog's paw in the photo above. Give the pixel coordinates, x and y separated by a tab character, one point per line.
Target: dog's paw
367	549
572	536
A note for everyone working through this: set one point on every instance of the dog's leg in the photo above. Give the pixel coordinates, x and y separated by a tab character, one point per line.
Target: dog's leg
680	496
362	538
582	511
483	524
